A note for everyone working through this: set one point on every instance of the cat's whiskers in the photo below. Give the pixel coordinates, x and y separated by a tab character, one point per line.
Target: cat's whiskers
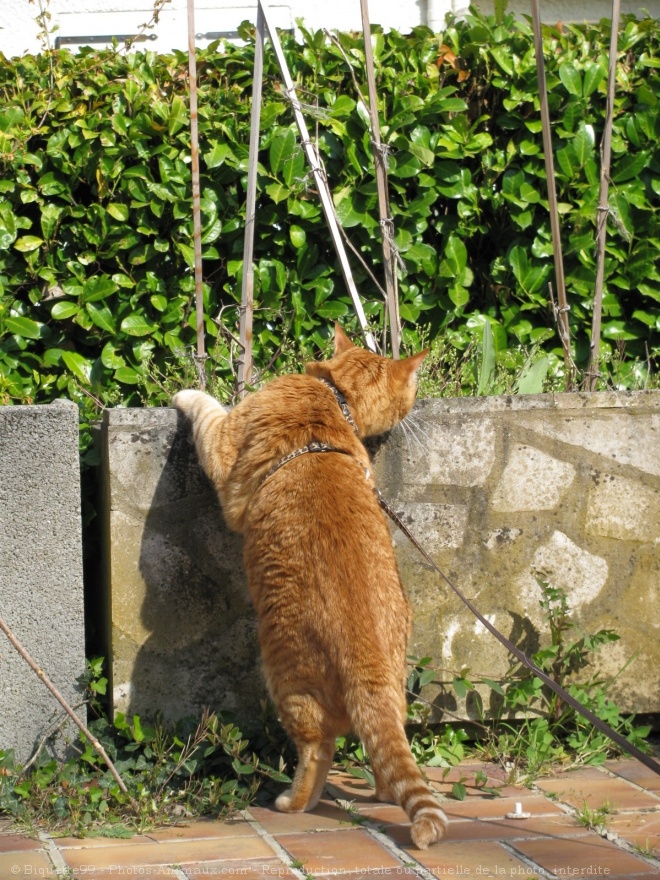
406	433
415	419
410	434
412	427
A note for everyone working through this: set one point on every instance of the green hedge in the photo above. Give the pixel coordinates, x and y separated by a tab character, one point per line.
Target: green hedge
96	288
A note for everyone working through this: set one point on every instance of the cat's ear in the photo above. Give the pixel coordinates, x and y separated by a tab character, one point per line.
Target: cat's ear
406	369
342	342
318	369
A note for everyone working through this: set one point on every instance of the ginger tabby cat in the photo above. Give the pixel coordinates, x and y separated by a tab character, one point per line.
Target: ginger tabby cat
334	619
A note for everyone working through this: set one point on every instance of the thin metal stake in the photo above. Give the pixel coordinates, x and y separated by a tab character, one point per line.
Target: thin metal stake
386	224
319	176
247	286
562	312
603	202
196	196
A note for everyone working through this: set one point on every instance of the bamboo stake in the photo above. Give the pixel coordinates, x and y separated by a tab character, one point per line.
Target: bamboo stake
603	202
563	307
247	285
386	223
196	196
67	708
319	176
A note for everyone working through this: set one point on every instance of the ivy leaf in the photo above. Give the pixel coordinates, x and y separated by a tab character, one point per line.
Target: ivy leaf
25	327
63	310
343	106
78	365
137	325
28	243
424	154
127	375
101	316
219	152
571	78
298	236
281	149
533	376
594	74
50	214
118	211
98	287
178	117
584	143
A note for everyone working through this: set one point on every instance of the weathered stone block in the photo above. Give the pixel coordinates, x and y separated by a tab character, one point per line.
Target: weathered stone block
532	480
41	575
623	508
183	630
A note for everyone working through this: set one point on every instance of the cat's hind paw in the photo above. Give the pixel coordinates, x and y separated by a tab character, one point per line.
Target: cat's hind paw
429	827
284	802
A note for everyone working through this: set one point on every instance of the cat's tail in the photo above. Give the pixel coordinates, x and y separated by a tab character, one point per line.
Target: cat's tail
206	416
379	725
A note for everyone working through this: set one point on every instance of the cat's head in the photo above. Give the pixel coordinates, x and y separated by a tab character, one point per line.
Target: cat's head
380	391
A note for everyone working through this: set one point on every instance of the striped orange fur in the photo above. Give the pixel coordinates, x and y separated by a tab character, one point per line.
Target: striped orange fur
334	619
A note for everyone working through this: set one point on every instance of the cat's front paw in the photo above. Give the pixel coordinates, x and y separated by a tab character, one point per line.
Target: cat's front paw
185	400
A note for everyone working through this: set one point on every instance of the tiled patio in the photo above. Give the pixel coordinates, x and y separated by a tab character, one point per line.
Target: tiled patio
351	835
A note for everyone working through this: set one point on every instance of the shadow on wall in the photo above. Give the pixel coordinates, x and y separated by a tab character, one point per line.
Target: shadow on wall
199	642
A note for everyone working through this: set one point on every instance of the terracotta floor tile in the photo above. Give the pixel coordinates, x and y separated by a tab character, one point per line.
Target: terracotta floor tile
26	864
460	771
200	829
383	814
461	860
338	851
18	843
618	793
635	772
556	827
639	829
251	870
348	788
496	808
179	852
325	816
444	778
98	842
586	772
137	872
591	856
399	873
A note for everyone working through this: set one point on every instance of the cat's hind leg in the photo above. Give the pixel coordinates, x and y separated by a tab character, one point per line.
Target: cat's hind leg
377	721
314	760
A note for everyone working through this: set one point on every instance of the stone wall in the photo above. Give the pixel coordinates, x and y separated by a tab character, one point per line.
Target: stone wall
41	570
501	491
506	491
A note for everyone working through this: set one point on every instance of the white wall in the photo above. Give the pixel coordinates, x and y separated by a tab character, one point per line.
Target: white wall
80	18
19	32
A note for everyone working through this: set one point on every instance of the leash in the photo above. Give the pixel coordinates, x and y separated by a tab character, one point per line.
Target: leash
609	732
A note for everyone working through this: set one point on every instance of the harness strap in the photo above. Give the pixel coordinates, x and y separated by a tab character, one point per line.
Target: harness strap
520	655
314	446
343	403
